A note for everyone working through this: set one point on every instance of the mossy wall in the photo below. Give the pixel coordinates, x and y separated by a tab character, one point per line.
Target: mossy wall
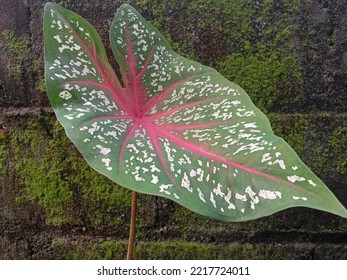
290	57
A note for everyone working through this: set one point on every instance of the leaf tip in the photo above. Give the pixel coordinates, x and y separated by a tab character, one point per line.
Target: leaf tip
125	7
339	210
343	213
49	5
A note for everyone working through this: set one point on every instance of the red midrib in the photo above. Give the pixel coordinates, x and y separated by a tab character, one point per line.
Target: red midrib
116	92
155	132
134	82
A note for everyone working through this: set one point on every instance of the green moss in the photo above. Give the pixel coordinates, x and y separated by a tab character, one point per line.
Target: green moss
17	45
264	72
319	160
110	250
326	146
3	152
56	177
39	78
338	141
325	115
292	128
102	250
174	250
107	250
40	175
320	141
42	85
59	242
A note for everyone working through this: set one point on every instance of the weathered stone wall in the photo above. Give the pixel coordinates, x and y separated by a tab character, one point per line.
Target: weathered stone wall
290	56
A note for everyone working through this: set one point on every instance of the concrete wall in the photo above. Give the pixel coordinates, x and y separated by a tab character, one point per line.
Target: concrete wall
290	56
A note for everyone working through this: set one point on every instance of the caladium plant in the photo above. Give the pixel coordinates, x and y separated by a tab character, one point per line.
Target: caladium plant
172	127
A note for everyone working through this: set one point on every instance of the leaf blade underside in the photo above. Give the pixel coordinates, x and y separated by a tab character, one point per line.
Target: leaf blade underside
176	128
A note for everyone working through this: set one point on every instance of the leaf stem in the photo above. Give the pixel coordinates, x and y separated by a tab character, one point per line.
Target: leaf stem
132	231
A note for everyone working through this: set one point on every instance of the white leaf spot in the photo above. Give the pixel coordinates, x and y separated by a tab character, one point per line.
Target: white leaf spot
295	178
302	198
266	157
57	37
212	200
240	197
65	95
105	151
106	161
312	183
269	194
154	179
201	196
186	183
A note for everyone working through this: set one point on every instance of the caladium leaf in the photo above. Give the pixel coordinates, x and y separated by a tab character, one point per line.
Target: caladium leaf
174	127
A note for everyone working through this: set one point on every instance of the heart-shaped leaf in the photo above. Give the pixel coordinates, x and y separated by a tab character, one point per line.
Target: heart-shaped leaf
174	128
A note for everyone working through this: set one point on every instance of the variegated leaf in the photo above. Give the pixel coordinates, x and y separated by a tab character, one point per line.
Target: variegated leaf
175	128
